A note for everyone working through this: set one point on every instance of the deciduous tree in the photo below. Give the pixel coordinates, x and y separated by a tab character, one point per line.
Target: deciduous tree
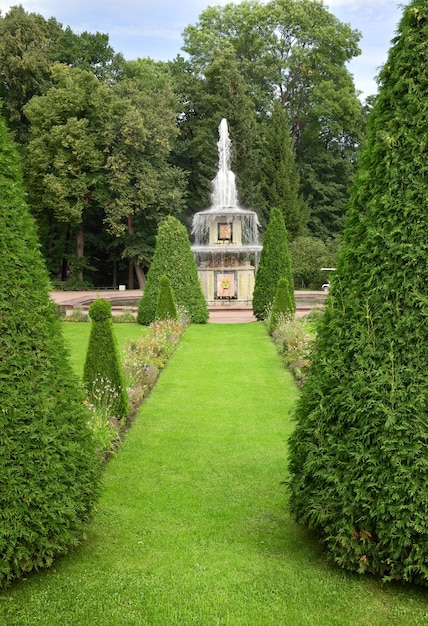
27	51
65	156
295	50
143	186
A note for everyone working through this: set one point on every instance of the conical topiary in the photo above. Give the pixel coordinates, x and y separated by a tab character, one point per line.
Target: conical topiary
165	308
49	470
283	307
173	258
274	264
359	454
102	373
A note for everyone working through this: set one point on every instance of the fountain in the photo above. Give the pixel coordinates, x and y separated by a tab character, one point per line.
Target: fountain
226	236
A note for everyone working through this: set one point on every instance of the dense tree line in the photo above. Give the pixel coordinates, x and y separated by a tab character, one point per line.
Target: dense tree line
112	147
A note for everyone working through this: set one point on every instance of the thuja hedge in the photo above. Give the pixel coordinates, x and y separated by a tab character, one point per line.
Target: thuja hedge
49	470
165	307
359	454
283	306
173	258
102	372
275	263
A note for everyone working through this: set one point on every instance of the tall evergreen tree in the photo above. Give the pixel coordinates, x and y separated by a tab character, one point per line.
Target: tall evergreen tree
173	258
358	456
274	264
49	472
279	175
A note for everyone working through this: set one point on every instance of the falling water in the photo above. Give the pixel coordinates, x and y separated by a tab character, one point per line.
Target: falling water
224	201
224	188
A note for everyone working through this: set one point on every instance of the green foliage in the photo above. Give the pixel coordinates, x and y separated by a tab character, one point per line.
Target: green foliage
279	175
358	456
298	50
224	93
103	360
283	306
88	51
165	306
173	257
126	317
147	356
143	186
274	264
308	256
293	342
102	421
27	51
49	470
76	315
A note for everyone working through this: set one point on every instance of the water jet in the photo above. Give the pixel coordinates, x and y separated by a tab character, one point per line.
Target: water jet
226	238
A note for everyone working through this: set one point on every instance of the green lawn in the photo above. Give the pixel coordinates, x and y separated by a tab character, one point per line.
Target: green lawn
76	335
192	526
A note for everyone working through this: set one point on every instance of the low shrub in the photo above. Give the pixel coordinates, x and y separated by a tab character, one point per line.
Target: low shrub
103	421
293	343
126	317
283	306
165	306
146	357
76	315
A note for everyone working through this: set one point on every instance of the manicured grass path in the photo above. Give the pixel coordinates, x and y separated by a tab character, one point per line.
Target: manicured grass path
192	527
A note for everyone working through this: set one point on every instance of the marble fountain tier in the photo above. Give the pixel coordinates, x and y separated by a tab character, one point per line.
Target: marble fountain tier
226	239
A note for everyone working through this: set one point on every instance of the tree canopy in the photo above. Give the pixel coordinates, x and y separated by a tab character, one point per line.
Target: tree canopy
294	51
111	147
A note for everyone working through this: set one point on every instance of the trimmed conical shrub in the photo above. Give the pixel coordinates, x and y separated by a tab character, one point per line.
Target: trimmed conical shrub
165	308
283	307
173	258
274	264
102	372
359	454
49	470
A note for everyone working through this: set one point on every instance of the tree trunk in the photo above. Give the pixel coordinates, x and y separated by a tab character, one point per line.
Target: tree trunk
134	263
131	275
80	246
114	274
140	275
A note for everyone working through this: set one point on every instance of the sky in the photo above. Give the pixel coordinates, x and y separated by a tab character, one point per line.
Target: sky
153	28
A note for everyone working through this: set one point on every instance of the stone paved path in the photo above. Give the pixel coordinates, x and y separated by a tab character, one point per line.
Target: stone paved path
305	300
